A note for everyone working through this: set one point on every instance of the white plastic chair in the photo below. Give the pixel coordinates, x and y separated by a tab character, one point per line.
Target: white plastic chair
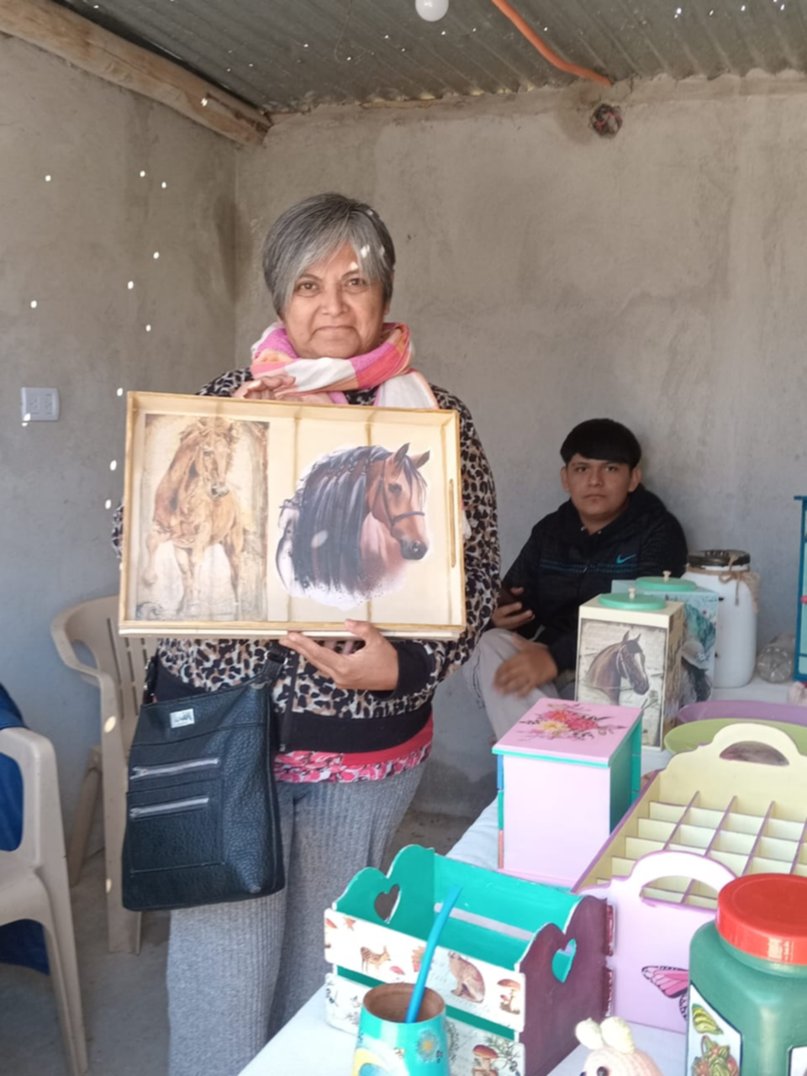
118	673
33	880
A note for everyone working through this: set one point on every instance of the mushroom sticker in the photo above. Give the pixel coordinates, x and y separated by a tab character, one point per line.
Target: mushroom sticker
508	999
484	1058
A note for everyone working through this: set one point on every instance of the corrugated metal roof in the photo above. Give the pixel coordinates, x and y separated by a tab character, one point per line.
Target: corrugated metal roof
291	55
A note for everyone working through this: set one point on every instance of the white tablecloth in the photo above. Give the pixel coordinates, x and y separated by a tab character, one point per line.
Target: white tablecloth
308	1046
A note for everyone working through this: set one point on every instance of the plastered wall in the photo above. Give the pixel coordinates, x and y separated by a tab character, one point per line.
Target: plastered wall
71	245
550	275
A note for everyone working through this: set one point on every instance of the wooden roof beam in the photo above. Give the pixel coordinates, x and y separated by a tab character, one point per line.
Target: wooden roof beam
63	33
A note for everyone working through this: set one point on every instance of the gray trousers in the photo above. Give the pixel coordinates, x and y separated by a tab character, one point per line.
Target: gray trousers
496	646
237	972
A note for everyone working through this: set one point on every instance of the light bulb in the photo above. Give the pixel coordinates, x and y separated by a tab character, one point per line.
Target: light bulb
431	10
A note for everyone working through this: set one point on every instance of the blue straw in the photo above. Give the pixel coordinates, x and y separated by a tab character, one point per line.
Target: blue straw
431	944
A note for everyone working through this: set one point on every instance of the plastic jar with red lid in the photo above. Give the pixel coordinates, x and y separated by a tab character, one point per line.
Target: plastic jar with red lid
748	979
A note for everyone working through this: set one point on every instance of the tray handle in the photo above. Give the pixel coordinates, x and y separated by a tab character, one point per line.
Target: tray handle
753	732
657	865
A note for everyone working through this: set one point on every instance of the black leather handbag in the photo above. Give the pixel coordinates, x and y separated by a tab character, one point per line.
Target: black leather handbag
202	822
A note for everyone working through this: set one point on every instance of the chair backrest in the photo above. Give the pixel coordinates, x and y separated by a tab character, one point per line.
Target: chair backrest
120	660
41	847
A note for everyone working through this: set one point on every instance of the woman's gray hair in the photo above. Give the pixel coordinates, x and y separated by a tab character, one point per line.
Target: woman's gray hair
316	228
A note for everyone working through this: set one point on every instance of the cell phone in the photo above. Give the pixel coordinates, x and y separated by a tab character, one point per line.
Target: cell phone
507	597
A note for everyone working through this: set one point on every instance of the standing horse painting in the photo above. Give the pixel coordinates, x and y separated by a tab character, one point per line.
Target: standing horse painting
355	520
613	665
195	508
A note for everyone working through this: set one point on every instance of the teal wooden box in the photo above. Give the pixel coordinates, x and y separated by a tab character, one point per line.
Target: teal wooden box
518	964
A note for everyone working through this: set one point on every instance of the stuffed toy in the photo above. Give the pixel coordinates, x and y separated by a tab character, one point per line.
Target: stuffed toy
613	1051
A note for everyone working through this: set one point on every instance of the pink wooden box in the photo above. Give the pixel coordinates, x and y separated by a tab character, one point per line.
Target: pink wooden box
568	771
648	962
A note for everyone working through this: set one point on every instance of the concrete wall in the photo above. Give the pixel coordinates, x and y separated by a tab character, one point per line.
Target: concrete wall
551	276
72	245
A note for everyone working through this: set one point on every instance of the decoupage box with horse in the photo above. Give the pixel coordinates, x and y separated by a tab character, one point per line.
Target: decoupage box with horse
629	654
517	964
568	771
250	517
700	629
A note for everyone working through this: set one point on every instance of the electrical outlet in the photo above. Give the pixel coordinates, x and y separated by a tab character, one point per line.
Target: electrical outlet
40	405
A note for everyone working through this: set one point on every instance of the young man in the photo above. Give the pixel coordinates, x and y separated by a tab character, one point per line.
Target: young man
610	528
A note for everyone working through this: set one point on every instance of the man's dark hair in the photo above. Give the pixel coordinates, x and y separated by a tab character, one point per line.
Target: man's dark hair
602	439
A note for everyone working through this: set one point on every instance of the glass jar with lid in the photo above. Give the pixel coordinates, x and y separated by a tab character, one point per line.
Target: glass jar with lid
728	572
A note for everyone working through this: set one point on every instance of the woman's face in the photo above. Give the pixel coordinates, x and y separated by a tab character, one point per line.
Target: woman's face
334	310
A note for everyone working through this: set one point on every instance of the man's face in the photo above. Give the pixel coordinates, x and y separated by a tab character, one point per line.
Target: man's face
598	489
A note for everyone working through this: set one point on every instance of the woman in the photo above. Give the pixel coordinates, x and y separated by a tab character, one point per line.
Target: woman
237	972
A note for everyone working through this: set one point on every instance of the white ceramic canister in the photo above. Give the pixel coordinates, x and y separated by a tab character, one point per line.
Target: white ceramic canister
728	571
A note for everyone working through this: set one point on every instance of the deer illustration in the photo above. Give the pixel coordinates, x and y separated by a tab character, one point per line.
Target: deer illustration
370	959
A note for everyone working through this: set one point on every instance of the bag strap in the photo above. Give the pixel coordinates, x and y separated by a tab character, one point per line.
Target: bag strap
270	670
266	675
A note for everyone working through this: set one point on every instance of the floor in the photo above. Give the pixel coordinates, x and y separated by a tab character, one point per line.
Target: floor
124	996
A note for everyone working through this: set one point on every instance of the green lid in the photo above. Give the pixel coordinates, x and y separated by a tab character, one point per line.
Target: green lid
658	582
643	603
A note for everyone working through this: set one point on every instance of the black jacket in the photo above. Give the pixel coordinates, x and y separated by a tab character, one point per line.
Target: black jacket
562	565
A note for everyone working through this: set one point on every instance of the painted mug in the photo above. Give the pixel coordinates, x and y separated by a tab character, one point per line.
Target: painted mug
386	1046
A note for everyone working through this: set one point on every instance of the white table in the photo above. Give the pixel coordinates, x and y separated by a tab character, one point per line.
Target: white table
308	1046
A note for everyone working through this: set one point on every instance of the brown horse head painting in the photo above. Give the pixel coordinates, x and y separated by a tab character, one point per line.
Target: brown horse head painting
356	518
194	508
617	663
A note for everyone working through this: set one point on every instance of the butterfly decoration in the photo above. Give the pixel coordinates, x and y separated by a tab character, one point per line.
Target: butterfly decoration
672	982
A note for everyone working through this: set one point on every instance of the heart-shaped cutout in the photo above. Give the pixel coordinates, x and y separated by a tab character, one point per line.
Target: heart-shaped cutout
386	903
562	961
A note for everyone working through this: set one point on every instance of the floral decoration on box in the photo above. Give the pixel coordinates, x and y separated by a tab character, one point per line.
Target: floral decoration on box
569	721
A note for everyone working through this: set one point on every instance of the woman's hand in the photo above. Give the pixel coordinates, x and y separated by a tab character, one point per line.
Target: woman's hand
511	615
533	666
264	388
371	667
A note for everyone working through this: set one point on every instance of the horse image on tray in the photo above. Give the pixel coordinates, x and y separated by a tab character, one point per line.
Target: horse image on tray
204	548
357	518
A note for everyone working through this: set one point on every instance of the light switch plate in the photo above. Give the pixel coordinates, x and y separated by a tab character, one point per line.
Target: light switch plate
39	405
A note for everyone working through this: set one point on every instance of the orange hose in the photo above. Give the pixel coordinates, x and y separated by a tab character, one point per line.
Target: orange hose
544	49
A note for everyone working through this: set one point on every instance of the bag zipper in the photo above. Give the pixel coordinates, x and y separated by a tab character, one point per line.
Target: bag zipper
169	808
169	769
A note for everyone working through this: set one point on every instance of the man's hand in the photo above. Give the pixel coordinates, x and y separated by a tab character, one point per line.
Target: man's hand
372	666
512	615
532	667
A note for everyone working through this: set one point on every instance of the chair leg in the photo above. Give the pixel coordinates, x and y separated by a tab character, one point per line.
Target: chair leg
61	947
123	926
85	811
